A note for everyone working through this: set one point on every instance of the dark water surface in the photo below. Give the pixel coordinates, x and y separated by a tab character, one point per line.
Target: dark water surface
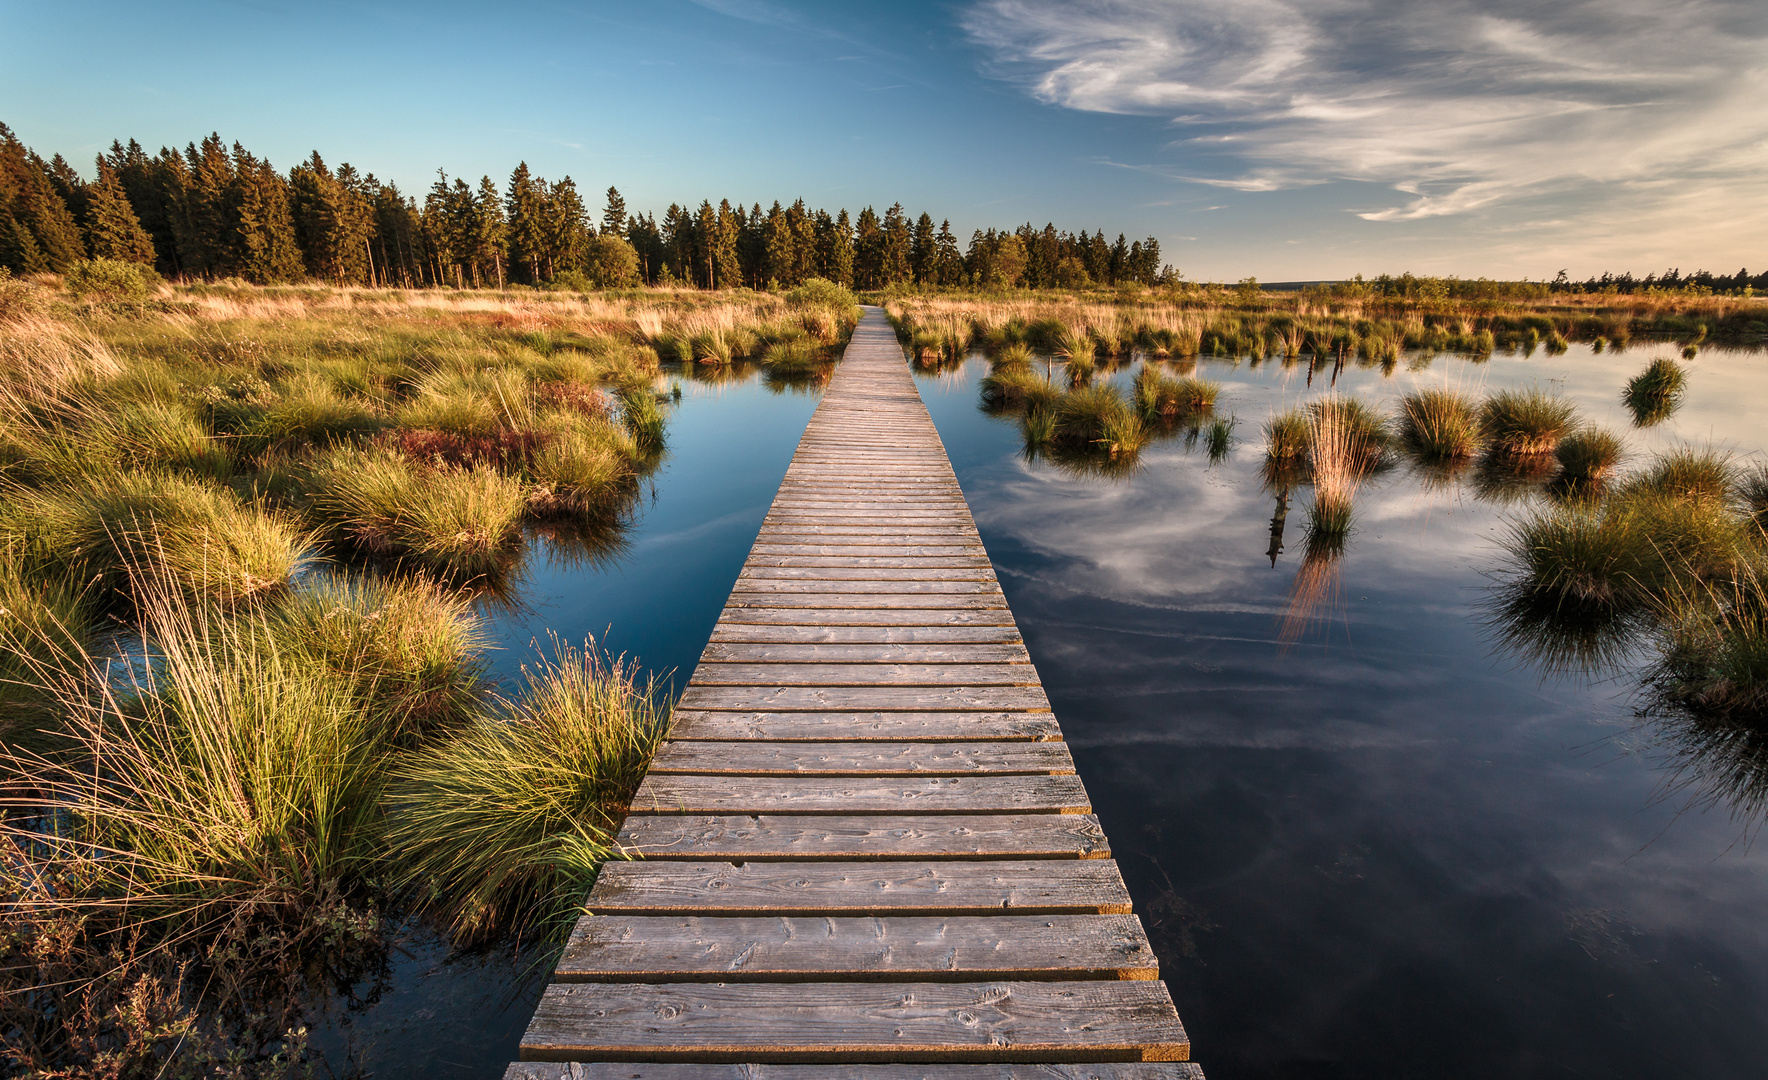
1378	850
1374	849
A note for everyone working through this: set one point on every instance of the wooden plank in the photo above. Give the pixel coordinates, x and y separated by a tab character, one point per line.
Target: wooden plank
1099	1070
870	546
939	652
864	759
909	617
624	948
982	887
866	698
788	836
977	562
827	674
751	586
893	600
814	636
765	572
666	793
856	1022
862	726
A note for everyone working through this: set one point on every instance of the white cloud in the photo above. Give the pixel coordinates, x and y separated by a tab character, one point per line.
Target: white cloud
1621	108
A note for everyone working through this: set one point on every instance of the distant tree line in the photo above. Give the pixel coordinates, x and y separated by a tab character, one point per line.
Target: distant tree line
1742	283
216	211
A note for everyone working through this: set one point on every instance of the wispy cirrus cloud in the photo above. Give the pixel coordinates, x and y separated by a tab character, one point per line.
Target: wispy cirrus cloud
1455	105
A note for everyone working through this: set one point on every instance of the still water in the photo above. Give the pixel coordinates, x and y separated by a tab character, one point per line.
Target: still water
1365	842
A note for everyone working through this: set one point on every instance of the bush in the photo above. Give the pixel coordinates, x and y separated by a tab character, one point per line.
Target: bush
111	279
816	292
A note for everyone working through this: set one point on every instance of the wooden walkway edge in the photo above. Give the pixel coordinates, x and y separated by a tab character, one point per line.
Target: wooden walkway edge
864	853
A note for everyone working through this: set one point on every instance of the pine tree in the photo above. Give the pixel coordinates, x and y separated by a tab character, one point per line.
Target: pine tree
678	242
112	229
868	252
567	228
727	252
948	261
492	234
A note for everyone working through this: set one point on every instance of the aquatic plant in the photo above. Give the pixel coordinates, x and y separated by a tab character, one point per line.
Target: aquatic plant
1018	387
1219	437
1526	422
1439	424
1588	456
1098	418
1160	396
503	825
1752	489
1010	355
1075	343
1337	453
1287	436
1654	393
1690	473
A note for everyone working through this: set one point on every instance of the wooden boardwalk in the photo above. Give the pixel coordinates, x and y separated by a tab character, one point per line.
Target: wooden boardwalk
865	853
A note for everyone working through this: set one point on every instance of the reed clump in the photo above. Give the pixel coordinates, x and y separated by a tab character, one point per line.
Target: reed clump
1097	418
1439	425
1524	423
1338	450
1588	456
1161	396
1654	393
1015	388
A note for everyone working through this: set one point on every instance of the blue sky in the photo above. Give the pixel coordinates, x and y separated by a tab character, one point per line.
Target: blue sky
1280	139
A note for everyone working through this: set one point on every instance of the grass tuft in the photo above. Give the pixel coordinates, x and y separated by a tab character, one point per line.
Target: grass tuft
1523	423
1439	425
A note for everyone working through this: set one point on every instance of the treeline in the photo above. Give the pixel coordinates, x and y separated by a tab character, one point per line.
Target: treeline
213	211
1742	283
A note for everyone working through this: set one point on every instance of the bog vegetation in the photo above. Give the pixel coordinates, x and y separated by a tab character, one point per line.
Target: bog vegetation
245	716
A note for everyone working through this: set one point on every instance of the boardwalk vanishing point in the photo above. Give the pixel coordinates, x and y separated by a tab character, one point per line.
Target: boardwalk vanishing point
863	853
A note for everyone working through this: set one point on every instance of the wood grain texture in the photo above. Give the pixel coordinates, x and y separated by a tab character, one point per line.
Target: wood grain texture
864	635
782	673
1100	1070
664	793
617	948
811	1022
1009	886
863	759
878	836
865	698
862	726
794	652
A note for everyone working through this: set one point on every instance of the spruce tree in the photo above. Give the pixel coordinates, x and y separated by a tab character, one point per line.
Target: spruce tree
839	264
112	229
492	232
727	252
37	230
261	221
922	250
614	214
868	252
526	207
567	228
895	266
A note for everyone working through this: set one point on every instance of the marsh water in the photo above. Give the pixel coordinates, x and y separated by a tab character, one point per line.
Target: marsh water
1366	840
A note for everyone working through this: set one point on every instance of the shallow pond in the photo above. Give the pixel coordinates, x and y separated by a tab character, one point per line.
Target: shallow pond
1365	842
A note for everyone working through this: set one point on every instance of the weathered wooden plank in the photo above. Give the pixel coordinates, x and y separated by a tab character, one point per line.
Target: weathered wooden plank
941	652
862	726
1098	1070
750	586
665	793
885	562
864	698
863	759
624	948
982	887
825	674
876	836
872	546
825	616
892	600
827	1021
765	572
905	635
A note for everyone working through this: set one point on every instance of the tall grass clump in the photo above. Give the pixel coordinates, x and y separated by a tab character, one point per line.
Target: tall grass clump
1337	451
1752	489
1097	418
413	651
1439	425
1219	438
219	779
1524	423
584	467
1160	396
114	529
1288	436
1364	432
644	418
1011	355
459	522
1588	456
1018	388
1689	473
504	825
793	354
1654	393
45	623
